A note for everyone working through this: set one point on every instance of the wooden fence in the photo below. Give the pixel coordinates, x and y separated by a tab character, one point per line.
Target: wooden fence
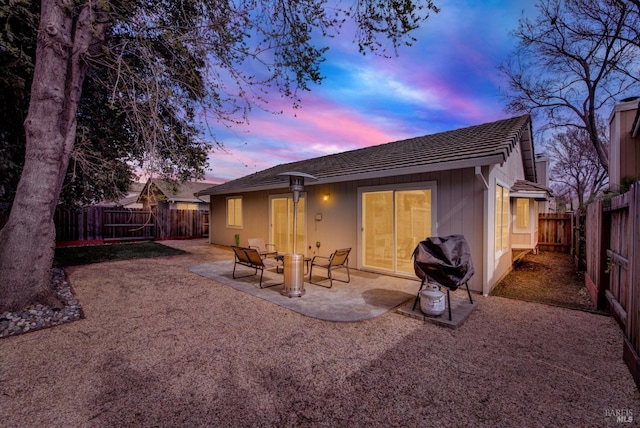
612	235
116	224
555	232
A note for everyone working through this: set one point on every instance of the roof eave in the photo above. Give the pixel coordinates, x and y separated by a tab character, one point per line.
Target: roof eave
434	167
539	195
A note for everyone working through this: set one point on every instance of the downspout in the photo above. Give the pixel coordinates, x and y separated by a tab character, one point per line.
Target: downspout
485	231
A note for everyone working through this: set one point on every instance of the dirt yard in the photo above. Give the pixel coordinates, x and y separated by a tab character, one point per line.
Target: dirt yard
161	346
549	278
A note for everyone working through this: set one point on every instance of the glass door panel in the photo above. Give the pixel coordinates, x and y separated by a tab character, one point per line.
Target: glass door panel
393	222
377	236
282	224
413	224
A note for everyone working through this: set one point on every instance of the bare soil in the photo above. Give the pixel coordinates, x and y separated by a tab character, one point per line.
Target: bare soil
161	346
549	278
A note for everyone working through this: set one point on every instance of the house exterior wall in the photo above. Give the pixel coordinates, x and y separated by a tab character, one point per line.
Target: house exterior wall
459	209
542	171
499	264
521	238
624	151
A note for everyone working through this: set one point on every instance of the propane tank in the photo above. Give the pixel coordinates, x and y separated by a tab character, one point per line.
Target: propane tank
432	301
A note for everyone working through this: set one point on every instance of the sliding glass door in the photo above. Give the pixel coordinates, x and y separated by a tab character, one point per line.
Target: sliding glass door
281	212
393	221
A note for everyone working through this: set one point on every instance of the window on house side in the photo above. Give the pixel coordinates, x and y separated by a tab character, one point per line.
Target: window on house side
502	218
522	213
234	212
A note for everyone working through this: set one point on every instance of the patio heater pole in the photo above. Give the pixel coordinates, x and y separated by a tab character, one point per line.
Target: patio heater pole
293	263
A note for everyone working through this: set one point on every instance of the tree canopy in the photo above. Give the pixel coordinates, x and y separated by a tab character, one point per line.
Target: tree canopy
574	59
576	172
154	70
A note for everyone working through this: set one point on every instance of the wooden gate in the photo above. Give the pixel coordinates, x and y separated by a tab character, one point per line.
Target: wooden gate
618	256
613	266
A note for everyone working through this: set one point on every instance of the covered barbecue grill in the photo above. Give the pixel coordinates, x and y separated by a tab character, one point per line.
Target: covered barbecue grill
445	261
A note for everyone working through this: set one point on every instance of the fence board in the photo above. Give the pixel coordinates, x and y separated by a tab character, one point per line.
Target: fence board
555	232
618	253
631	353
596	242
617	229
119	224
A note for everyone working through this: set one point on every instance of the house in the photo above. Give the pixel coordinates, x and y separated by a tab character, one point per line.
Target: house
624	144
179	196
382	200
129	199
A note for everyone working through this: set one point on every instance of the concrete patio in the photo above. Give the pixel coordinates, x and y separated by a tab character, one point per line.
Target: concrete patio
366	296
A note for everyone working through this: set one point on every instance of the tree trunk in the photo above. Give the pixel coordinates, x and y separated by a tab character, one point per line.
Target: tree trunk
27	241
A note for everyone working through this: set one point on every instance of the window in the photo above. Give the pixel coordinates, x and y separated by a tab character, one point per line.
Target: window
186	206
234	212
502	218
522	213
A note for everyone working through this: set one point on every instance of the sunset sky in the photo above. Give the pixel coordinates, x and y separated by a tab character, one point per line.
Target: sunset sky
447	80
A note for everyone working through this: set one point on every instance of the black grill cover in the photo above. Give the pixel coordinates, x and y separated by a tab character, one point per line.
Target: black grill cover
446	260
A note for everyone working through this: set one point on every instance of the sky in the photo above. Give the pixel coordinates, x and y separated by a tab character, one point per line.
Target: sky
447	80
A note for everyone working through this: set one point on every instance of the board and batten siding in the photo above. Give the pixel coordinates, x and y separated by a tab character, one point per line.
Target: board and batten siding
498	265
459	209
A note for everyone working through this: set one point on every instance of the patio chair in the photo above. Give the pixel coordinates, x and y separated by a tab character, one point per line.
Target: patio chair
337	260
265	250
249	257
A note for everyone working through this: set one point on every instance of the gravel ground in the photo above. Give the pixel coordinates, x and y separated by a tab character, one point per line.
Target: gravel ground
161	346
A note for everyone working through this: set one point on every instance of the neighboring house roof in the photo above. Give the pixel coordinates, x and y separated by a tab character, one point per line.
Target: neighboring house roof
479	145
129	198
527	189
182	192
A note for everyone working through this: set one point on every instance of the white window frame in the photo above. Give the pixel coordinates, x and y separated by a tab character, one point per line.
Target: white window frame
421	185
516	226
502	249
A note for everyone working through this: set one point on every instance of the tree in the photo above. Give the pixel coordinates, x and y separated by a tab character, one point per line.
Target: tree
19	22
105	153
576	170
167	59
575	58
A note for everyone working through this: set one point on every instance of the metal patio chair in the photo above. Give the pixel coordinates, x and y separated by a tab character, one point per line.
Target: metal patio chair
337	260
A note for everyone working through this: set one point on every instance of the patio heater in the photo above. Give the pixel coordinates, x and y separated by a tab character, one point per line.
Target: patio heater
293	263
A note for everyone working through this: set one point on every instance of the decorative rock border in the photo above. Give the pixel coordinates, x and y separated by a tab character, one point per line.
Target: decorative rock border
37	316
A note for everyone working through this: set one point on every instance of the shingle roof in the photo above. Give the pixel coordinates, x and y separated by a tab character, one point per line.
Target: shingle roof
486	144
183	192
528	188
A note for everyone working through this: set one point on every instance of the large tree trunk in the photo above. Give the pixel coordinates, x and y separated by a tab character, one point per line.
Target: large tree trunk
27	241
